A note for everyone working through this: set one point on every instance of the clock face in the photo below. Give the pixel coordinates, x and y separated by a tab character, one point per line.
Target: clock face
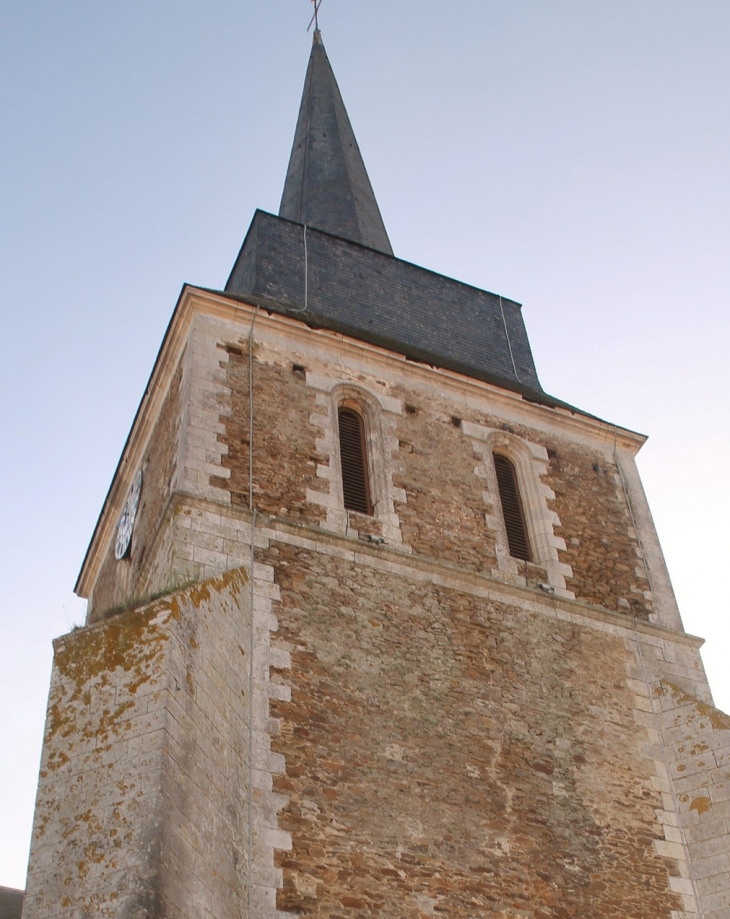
126	521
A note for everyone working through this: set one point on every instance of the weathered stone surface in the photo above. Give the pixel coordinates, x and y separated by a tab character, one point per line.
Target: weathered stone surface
122	583
445	513
285	451
142	805
444	508
451	756
595	522
697	752
460	733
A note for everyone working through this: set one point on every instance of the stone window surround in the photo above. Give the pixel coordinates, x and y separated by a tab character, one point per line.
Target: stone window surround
376	410
530	462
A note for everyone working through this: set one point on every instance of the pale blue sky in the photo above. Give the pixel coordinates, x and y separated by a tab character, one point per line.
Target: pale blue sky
570	155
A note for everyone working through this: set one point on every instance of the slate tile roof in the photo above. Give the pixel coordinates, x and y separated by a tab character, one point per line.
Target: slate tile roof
384	300
343	265
327	185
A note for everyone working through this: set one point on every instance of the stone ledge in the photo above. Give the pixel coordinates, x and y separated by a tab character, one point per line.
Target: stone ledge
397	560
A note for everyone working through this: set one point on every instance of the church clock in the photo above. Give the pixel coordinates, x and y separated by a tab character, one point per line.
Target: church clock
126	521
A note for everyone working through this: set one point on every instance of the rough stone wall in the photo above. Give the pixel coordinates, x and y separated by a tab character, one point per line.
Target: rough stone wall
699	758
142	806
601	543
285	450
451	755
422	710
444	514
450	740
122	583
99	796
692	748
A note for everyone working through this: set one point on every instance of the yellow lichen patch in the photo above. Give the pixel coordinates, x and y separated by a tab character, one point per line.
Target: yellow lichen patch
701	805
233	581
199	594
718	719
57	759
169	605
130	642
95	853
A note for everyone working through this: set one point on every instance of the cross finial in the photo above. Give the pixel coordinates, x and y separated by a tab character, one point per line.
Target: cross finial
315	18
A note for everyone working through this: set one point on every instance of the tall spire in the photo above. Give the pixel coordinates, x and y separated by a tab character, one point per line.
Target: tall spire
327	185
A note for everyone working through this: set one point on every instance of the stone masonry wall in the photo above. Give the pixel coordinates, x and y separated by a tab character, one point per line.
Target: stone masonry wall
601	544
692	748
122	582
436	730
445	513
98	807
451	755
373	638
142	805
285	451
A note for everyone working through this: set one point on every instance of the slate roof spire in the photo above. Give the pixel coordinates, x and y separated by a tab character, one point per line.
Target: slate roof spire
327	185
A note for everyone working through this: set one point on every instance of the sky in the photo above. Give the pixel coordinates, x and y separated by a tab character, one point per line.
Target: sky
572	156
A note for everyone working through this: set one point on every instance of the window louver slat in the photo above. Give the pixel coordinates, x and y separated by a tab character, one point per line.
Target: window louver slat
355	486
514	518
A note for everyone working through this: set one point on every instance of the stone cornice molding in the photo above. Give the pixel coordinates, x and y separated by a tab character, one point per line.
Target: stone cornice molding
399	561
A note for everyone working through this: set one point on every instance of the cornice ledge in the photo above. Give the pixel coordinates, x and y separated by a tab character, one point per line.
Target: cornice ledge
224	306
444	573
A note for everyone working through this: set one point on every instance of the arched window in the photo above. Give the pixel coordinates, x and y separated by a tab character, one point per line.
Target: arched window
354	461
512	511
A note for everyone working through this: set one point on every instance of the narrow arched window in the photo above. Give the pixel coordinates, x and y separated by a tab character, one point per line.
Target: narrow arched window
512	512
354	462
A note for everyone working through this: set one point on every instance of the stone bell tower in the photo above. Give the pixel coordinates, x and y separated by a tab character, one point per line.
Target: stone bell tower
376	627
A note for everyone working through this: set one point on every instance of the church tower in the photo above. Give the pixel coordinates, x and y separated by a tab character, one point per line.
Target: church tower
376	626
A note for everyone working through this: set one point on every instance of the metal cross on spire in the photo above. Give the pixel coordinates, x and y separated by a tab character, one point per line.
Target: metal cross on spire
315	17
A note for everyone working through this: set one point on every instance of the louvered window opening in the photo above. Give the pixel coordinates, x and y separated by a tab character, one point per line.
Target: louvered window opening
514	516
354	462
